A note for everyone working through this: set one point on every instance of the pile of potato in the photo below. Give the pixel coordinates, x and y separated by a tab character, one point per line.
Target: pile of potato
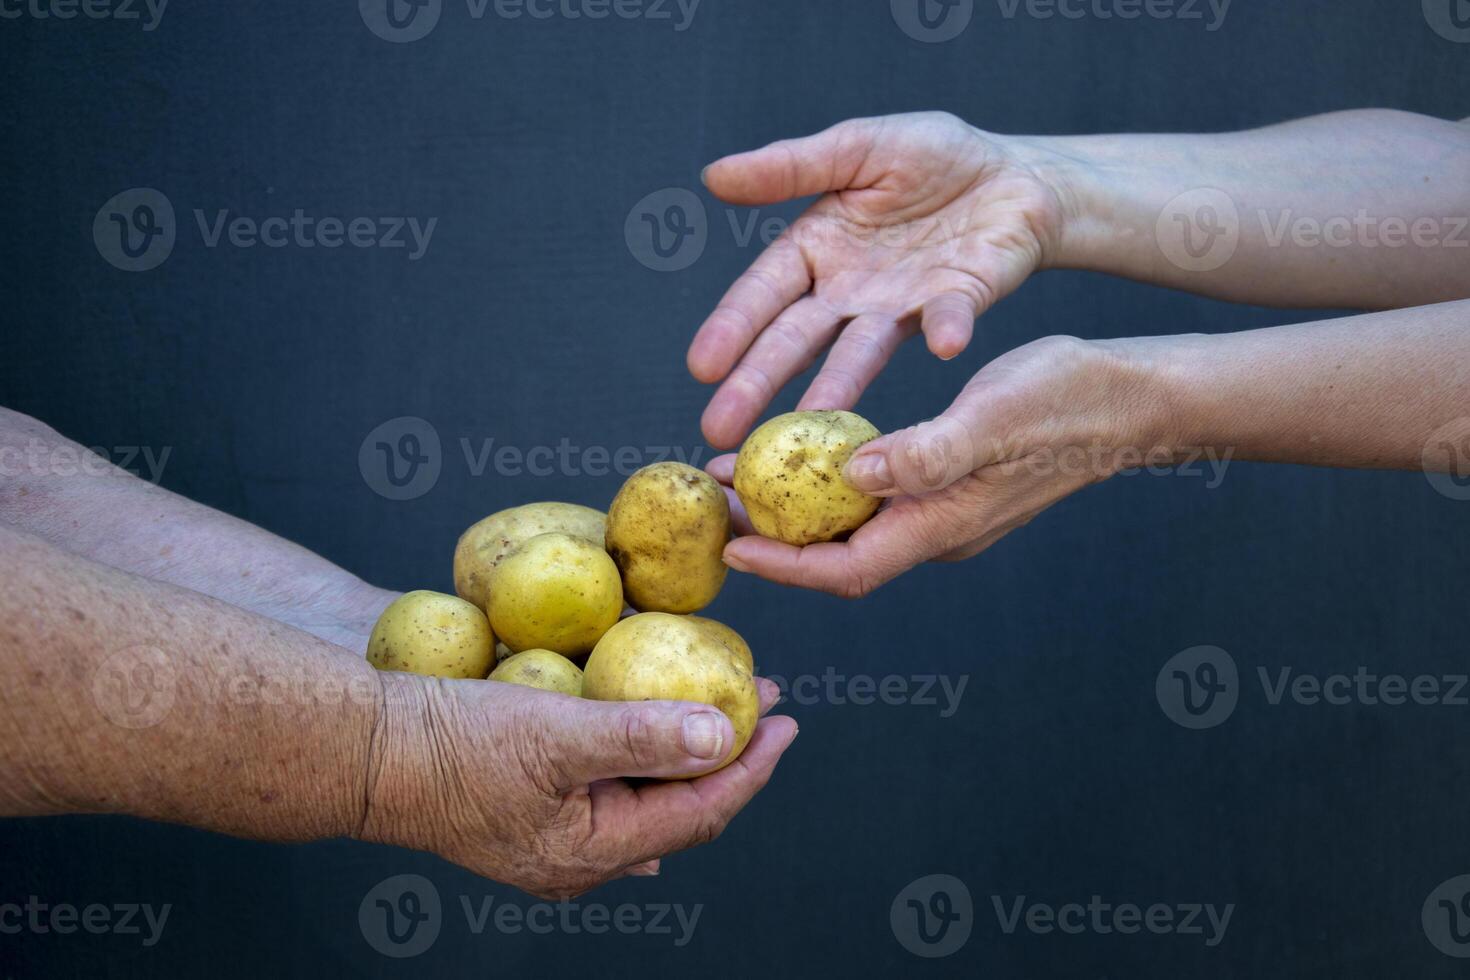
543	588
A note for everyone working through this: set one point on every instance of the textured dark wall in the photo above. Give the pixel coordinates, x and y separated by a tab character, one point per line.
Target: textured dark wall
529	320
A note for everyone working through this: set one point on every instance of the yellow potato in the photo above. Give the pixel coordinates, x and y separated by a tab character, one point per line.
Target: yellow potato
541	669
730	638
662	657
666	529
487	542
433	634
789	476
555	592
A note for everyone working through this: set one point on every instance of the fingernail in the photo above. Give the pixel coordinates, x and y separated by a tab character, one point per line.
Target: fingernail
704	176
704	736
644	871
869	473
734	562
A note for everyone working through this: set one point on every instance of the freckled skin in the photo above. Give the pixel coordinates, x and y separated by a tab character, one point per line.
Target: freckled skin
666	530
541	669
555	592
789	476
432	634
487	542
658	656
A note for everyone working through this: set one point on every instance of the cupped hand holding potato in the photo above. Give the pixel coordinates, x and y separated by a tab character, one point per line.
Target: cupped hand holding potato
526	787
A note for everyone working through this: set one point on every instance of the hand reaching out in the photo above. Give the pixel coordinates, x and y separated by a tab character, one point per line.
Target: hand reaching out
925	222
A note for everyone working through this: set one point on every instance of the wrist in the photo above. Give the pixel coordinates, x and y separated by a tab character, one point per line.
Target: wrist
1076	175
399	800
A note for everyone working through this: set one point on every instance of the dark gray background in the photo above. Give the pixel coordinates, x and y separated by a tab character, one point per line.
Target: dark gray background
529	321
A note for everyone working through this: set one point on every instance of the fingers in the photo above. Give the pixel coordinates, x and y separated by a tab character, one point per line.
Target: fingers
949	323
778	278
931	455
639	825
831	160
782	351
722	468
862	350
770	693
664	739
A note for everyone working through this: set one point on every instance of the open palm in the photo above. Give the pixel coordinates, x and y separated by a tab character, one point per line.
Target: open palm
924	222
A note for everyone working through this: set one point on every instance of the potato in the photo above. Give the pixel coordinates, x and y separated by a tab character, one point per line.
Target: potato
789	476
555	592
487	542
662	657
666	529
433	634
541	669
730	638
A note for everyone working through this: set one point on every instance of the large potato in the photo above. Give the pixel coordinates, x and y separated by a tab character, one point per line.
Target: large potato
541	669
487	542
433	634
555	592
661	657
789	476
666	529
730	638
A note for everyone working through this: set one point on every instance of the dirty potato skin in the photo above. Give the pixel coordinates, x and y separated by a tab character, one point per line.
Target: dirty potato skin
662	657
789	476
555	592
729	637
432	634
666	529
541	669
486	543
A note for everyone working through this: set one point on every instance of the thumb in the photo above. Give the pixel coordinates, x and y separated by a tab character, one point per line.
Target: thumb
828	161
665	739
925	457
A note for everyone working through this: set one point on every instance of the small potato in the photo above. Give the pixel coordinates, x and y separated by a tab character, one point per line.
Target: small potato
789	476
730	638
541	669
487	542
433	634
661	657
555	592
666	529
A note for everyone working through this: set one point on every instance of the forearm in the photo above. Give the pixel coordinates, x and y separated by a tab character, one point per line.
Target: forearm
123	695
1364	391
1365	209
55	489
